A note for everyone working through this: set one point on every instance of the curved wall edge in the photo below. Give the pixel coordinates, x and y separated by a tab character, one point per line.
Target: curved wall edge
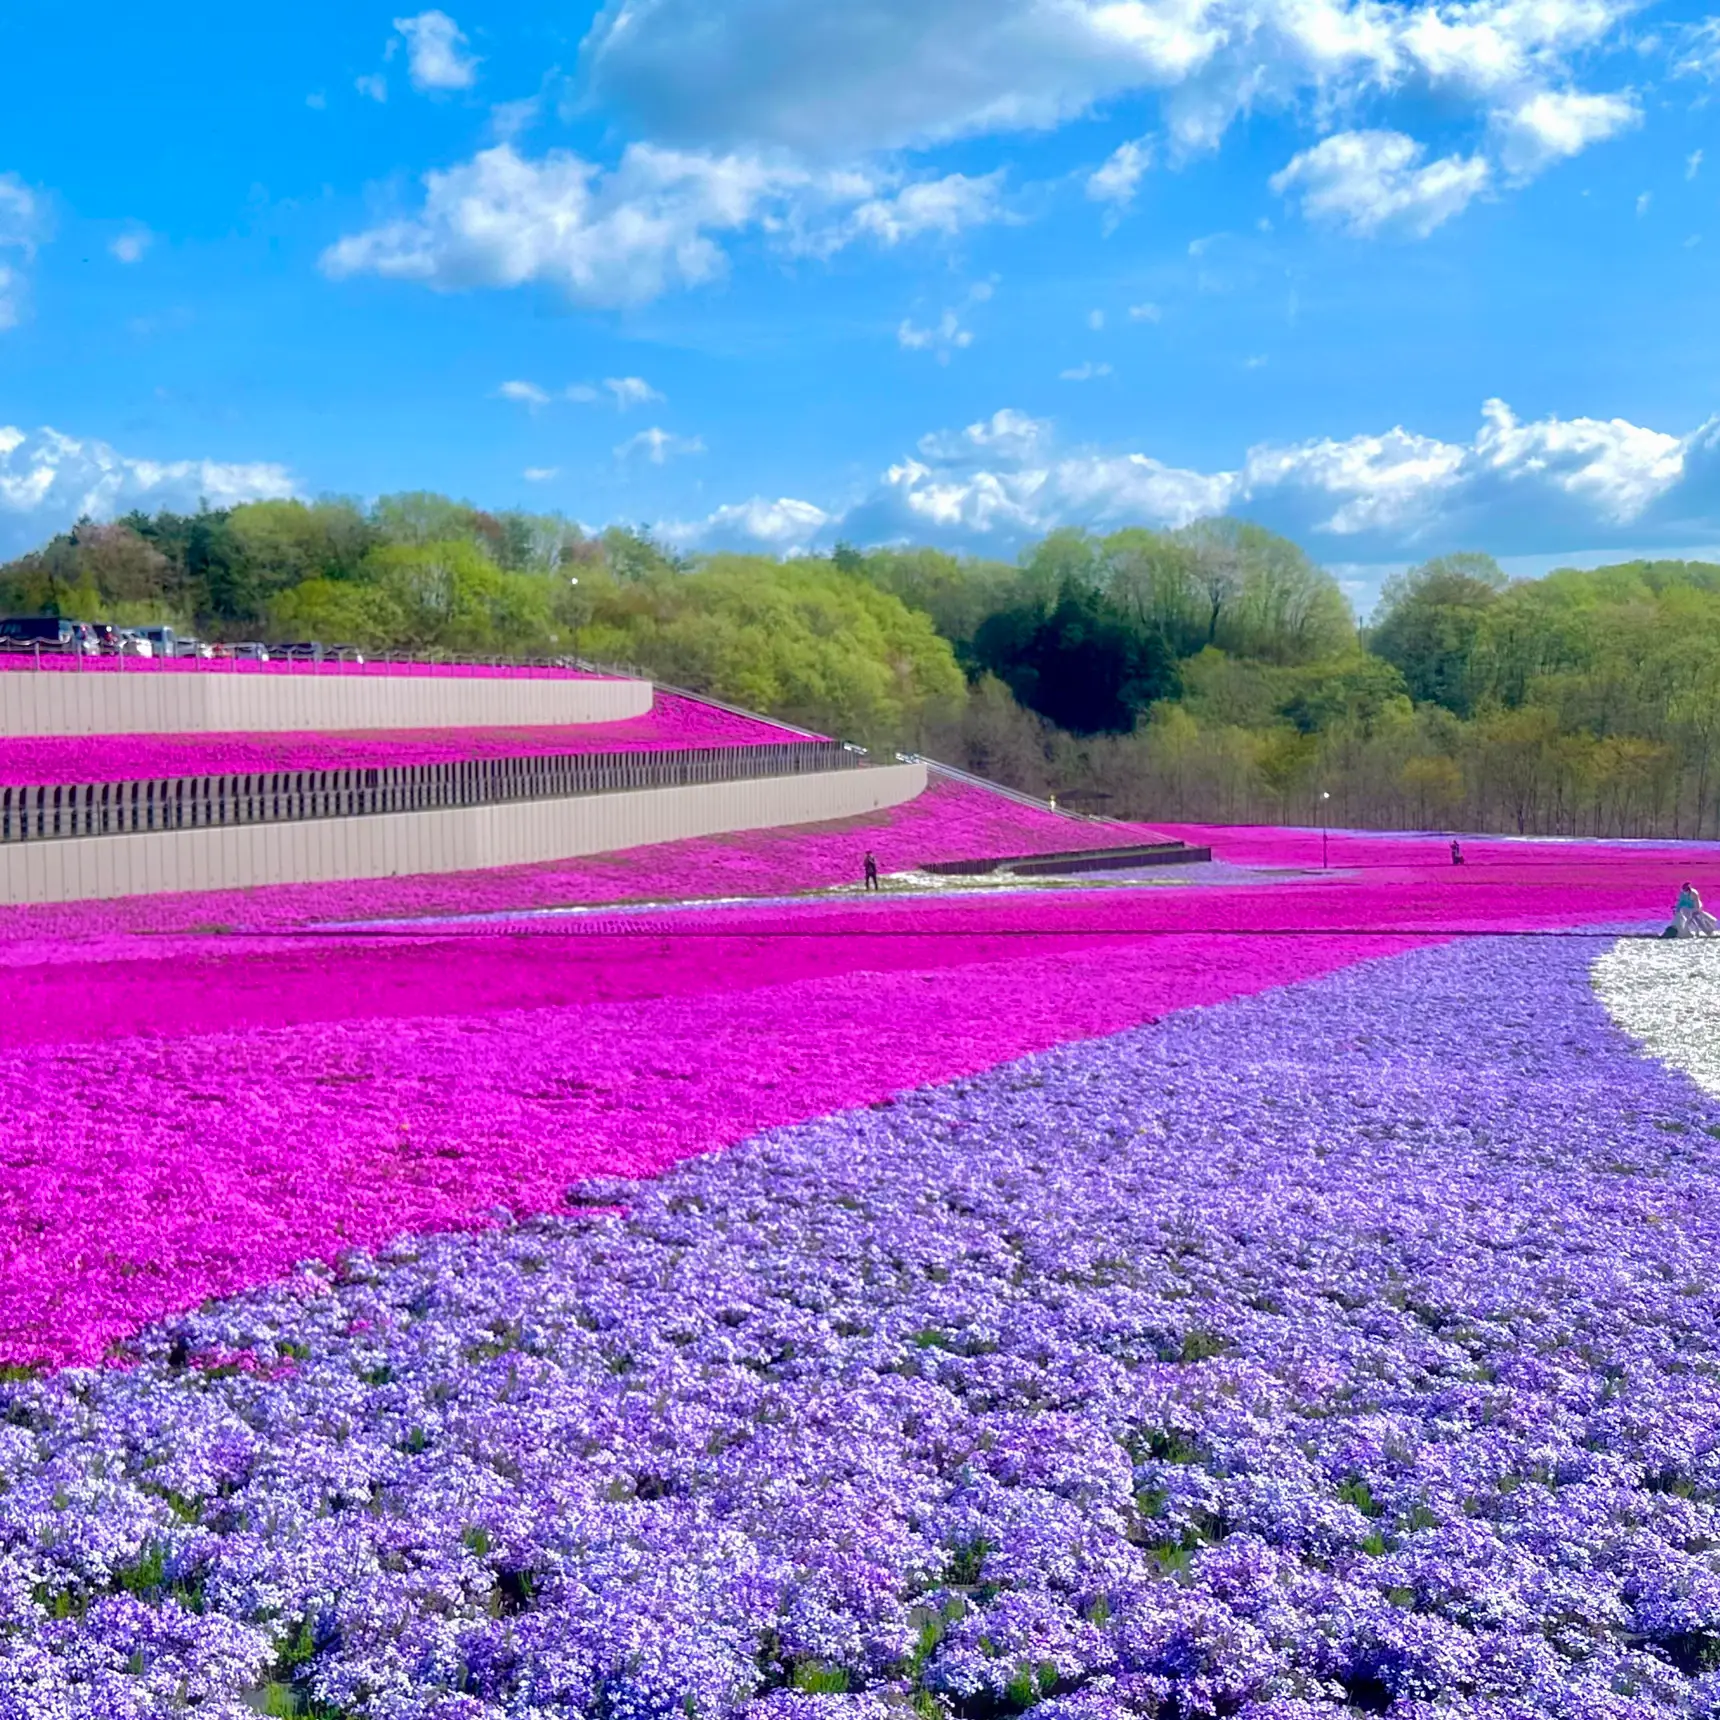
202	702
465	839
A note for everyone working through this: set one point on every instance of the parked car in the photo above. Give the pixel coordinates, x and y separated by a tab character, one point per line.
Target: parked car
164	639
301	651
106	637
134	642
37	630
192	648
249	651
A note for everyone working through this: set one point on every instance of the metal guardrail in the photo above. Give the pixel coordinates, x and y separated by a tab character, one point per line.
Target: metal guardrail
48	656
48	813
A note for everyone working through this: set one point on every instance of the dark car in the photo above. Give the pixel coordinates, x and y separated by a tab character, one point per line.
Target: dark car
37	630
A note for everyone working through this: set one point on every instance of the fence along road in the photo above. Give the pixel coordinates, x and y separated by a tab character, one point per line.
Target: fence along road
65	810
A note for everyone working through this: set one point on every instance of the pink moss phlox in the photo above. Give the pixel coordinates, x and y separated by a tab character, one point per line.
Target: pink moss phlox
950	821
148	1174
672	722
185	1116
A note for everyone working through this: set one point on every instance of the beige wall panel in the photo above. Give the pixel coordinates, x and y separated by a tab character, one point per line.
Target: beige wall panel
145	701
454	840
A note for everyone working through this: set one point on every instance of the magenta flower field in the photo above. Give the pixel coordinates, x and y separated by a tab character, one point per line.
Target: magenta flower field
1271	1290
672	721
950	821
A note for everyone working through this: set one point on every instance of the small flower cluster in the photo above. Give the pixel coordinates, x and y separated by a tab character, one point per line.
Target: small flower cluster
1348	1348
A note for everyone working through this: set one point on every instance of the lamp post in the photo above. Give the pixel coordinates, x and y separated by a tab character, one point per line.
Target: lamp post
1325	852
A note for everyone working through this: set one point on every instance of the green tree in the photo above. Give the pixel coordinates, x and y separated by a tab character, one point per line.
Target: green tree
797	640
1432	624
1084	662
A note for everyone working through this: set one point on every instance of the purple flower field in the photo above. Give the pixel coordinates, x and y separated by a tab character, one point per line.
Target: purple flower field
1350	1348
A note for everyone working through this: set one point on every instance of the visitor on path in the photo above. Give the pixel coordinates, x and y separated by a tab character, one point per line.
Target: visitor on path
1456	852
872	872
1689	919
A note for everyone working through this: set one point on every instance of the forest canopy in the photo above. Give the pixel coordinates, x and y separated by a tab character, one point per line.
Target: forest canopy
1215	672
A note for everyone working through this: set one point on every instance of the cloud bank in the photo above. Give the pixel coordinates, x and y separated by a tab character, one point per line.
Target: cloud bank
49	480
787	120
1514	487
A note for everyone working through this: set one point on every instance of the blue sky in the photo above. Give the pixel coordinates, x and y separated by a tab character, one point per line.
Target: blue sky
1396	279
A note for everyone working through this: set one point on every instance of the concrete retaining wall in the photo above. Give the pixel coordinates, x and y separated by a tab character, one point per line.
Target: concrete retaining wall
172	701
463	839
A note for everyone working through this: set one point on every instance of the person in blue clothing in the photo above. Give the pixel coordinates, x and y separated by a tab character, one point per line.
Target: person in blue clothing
1689	918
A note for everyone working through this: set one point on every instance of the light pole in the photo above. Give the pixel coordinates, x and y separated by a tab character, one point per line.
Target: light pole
1325	852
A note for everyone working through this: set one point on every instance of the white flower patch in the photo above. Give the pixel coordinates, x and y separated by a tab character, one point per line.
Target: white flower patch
1666	995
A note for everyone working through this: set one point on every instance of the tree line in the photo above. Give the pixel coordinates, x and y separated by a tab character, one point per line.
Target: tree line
1214	673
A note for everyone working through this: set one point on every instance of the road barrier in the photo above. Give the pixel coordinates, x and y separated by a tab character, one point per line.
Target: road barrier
63	810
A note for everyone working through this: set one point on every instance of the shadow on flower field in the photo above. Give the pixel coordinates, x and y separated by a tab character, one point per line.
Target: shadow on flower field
1265	1299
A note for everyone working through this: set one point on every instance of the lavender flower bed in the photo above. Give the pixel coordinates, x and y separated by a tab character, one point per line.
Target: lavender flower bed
1352	1347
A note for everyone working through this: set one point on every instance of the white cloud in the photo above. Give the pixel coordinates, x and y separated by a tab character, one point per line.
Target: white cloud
1552	125
23	225
1539	486
317	100
659	446
1120	177
509	120
433	57
1693	164
944	337
539	474
1145	313
526	393
1095	320
130	247
881	74
1084	372
373	86
630	391
1643	199
1005	435
616	238
623	391
785	526
1366	181
1619	468
945	206
843	82
1699	52
878	74
48	480
626	235
12	290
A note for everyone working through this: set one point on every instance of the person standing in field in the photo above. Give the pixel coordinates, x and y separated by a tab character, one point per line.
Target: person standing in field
872	871
1456	852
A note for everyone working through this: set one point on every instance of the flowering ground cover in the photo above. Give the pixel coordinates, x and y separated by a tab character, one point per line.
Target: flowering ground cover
1255	1362
673	721
289	1096
1272	1299
950	821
